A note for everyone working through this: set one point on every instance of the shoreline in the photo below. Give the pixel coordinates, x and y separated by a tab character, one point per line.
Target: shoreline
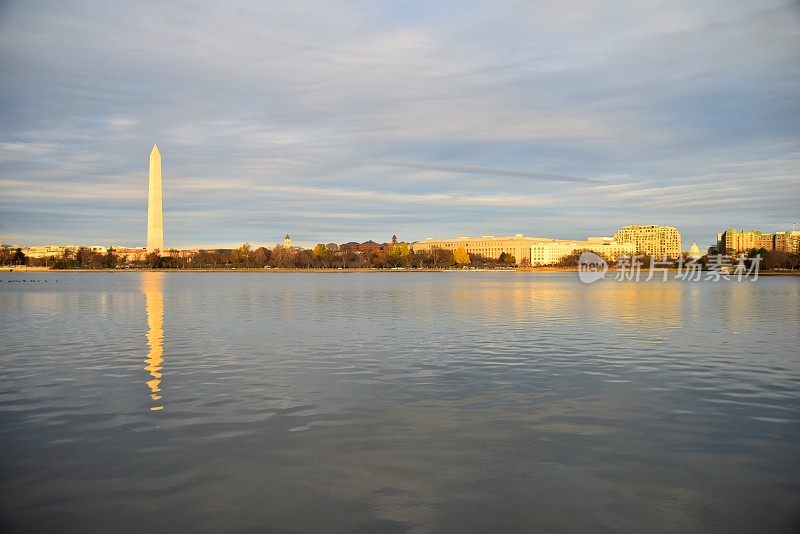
533	270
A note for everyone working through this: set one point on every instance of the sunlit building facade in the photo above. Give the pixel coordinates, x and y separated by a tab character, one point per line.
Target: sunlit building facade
57	251
786	241
528	250
131	254
553	251
652	240
44	251
733	241
488	246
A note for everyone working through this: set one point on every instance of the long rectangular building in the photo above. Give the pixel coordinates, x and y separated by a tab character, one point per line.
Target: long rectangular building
527	250
489	246
47	251
552	252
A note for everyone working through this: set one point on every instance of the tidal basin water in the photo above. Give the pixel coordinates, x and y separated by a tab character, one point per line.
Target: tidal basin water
423	402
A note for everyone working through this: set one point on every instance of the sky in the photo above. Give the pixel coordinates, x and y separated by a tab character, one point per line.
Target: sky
347	121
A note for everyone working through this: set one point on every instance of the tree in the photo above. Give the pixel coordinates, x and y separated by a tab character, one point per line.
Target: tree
89	259
154	260
507	258
571	260
768	259
262	256
399	255
442	257
793	260
242	255
478	260
207	258
304	259
778	258
19	257
379	259
461	256
110	261
320	252
282	257
400	249
348	258
66	261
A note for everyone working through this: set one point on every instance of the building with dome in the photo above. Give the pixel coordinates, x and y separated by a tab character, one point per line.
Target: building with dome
694	252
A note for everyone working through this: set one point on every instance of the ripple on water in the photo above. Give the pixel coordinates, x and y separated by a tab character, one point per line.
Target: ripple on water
339	403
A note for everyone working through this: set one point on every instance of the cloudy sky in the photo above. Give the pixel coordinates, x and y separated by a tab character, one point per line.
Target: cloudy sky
339	121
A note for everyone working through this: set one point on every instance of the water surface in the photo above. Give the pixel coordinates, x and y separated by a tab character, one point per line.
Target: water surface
396	402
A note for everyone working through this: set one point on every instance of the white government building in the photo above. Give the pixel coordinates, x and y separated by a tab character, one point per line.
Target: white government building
531	250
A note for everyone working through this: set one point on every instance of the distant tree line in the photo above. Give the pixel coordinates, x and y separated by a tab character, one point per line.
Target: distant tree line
770	259
776	259
322	256
15	256
82	258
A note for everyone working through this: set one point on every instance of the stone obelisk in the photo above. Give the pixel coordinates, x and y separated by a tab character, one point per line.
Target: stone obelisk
155	220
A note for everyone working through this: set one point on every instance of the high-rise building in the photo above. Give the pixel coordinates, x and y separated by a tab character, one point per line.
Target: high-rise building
155	218
653	240
788	241
733	241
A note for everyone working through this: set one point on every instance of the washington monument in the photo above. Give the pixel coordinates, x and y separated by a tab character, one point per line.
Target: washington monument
155	220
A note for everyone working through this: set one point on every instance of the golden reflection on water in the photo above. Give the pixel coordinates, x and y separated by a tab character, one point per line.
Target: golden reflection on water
654	304
152	286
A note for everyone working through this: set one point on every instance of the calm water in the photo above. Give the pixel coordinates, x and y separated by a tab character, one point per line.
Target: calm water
459	402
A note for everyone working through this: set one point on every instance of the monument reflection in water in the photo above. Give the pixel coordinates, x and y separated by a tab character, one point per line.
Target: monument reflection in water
152	286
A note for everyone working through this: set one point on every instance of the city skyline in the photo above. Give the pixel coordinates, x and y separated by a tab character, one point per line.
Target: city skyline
413	119
155	229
